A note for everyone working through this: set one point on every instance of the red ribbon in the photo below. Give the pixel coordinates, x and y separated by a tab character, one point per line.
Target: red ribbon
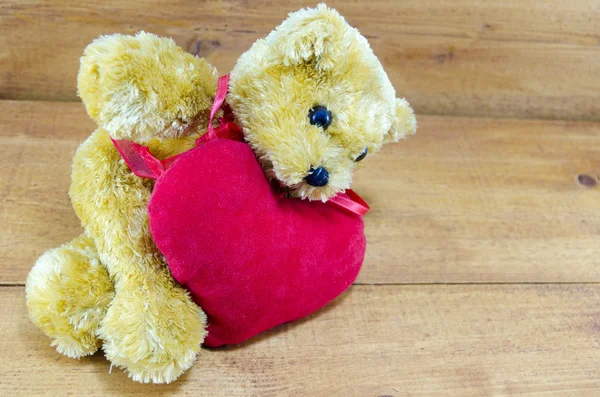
143	164
139	159
351	201
226	127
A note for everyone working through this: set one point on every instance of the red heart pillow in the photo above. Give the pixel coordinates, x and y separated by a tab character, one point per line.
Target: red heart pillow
250	258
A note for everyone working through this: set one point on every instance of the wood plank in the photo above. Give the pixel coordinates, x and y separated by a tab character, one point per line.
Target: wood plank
521	58
38	141
484	200
459	340
464	200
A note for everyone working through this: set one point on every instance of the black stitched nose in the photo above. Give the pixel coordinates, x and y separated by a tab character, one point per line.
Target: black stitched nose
318	177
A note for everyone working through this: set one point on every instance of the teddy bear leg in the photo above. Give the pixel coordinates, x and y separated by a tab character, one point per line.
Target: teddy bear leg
152	328
68	291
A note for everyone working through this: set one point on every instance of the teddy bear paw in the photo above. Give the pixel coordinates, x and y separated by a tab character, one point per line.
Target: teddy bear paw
155	339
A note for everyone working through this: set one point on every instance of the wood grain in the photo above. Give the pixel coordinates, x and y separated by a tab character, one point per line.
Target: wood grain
464	200
38	141
525	58
373	341
484	200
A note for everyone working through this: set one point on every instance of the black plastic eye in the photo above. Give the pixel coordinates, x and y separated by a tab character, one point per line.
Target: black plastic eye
362	155
319	115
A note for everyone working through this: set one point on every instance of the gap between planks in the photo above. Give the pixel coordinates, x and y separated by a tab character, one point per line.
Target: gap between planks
8	285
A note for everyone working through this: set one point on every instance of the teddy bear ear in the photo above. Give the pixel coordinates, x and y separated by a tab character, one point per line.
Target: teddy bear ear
315	35
404	122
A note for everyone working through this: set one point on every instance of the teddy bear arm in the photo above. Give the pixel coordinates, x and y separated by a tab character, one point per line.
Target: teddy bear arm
68	291
152	328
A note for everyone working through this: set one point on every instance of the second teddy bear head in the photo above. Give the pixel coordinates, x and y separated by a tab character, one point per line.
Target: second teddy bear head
311	97
314	100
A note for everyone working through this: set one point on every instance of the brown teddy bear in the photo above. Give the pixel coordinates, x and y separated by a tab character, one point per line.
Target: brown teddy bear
313	101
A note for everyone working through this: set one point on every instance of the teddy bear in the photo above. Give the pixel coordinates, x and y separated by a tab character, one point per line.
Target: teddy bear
312	101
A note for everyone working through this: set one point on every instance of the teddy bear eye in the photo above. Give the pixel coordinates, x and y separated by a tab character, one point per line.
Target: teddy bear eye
320	116
362	155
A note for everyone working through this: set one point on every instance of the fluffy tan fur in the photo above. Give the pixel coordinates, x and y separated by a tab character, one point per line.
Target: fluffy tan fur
68	293
147	323
152	327
315	58
111	287
137	87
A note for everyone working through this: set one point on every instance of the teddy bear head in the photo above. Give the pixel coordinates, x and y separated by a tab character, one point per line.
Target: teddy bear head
144	87
314	101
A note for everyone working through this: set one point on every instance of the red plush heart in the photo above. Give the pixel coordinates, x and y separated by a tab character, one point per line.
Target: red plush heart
250	258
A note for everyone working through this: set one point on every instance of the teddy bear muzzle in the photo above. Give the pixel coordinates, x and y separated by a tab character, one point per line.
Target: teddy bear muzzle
317	177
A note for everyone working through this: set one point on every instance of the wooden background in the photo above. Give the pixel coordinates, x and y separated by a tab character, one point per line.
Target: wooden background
482	266
514	58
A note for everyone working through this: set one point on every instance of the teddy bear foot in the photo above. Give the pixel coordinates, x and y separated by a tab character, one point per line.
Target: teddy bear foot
160	371
152	329
68	291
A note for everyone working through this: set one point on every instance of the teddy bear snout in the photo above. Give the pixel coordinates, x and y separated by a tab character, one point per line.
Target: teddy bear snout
317	177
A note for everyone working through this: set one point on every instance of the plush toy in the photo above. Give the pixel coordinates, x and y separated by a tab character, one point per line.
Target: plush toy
252	221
